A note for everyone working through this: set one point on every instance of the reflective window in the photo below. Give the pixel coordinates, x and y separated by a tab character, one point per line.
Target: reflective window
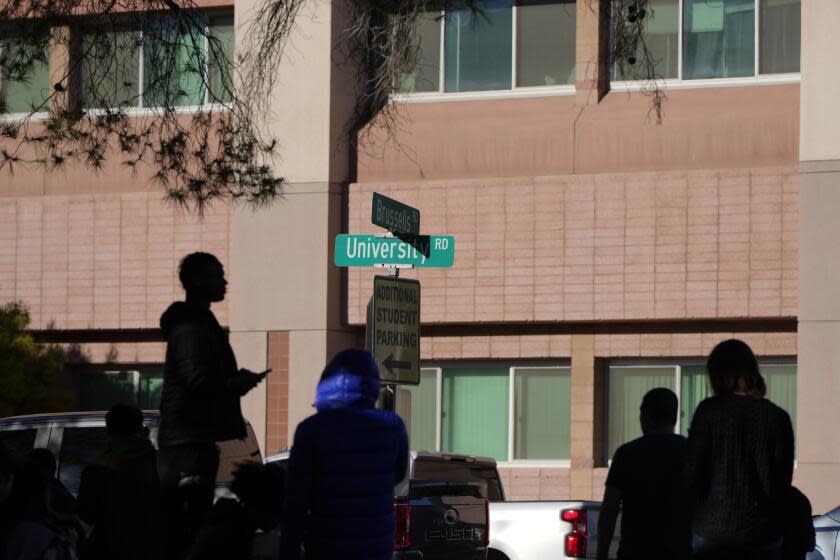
780	34
483	49
220	55
508	413
545	42
719	38
628	384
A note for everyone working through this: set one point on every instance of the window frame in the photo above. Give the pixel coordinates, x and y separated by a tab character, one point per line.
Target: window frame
511	462
666	363
513	91
681	83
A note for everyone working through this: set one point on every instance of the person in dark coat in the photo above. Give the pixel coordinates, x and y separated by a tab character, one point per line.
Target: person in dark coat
800	538
119	492
230	529
344	464
740	462
200	406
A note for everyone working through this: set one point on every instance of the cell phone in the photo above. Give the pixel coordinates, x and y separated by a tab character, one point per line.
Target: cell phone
263	374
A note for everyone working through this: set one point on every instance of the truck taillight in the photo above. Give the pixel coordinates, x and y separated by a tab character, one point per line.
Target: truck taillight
576	540
402	517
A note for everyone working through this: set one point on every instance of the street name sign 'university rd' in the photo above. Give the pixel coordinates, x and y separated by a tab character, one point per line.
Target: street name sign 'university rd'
394	215
395	337
370	250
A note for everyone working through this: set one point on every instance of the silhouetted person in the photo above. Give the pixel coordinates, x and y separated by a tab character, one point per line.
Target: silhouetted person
200	402
8	469
799	537
344	464
230	528
35	530
646	483
740	461
119	492
62	501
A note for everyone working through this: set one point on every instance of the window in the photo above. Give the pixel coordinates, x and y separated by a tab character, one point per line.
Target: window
518	413
165	64
721	38
503	45
28	93
18	442
102	386
626	385
79	446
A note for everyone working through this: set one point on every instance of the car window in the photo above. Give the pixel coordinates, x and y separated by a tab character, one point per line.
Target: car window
456	471
79	447
19	442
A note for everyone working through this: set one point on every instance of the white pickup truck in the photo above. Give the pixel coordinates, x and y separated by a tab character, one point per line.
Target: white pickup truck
537	530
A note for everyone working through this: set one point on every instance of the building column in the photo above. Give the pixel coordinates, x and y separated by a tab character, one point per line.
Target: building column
592	40
586	417
818	445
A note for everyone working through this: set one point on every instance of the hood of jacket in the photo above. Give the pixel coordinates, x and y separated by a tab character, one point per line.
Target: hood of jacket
345	389
180	313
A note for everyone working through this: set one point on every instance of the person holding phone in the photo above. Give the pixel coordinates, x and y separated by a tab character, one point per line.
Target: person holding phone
202	387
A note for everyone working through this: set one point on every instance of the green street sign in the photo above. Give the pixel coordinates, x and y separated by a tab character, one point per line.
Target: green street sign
394	215
370	250
394	329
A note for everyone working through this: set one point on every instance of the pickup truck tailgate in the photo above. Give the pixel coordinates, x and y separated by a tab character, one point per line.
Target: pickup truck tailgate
449	520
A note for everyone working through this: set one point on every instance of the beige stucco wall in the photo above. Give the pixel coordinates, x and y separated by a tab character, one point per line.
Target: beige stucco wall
818	449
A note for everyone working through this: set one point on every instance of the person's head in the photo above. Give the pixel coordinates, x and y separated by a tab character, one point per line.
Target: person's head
124	420
261	490
203	277
658	413
351	379
733	368
43	461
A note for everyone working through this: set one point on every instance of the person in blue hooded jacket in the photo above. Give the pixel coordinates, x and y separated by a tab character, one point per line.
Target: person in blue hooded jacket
344	464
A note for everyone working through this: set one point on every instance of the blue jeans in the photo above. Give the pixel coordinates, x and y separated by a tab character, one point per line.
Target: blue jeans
705	549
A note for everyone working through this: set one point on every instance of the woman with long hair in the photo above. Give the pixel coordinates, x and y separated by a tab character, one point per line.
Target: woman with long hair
740	461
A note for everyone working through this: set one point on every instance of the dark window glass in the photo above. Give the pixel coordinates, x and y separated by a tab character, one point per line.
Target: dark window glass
545	42
426	77
111	69
458	471
220	58
18	442
780	36
79	447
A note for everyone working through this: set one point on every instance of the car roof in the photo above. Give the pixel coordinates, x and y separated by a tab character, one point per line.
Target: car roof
66	417
415	455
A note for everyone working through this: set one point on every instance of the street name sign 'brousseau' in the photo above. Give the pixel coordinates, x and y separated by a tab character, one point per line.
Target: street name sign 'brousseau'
370	250
395	333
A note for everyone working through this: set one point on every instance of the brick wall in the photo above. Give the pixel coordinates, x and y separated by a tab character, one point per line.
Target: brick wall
669	245
277	393
101	262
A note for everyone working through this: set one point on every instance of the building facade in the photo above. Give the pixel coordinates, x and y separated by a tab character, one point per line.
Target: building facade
598	253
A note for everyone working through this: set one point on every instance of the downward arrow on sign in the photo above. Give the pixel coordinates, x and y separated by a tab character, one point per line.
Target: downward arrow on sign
391	364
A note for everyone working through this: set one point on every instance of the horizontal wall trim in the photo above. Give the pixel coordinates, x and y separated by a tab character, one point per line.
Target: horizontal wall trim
780	324
519	328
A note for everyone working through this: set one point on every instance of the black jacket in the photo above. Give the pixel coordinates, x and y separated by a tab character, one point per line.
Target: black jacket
202	385
119	495
739	469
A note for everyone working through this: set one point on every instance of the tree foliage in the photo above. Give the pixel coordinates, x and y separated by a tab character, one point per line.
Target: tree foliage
219	149
28	370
